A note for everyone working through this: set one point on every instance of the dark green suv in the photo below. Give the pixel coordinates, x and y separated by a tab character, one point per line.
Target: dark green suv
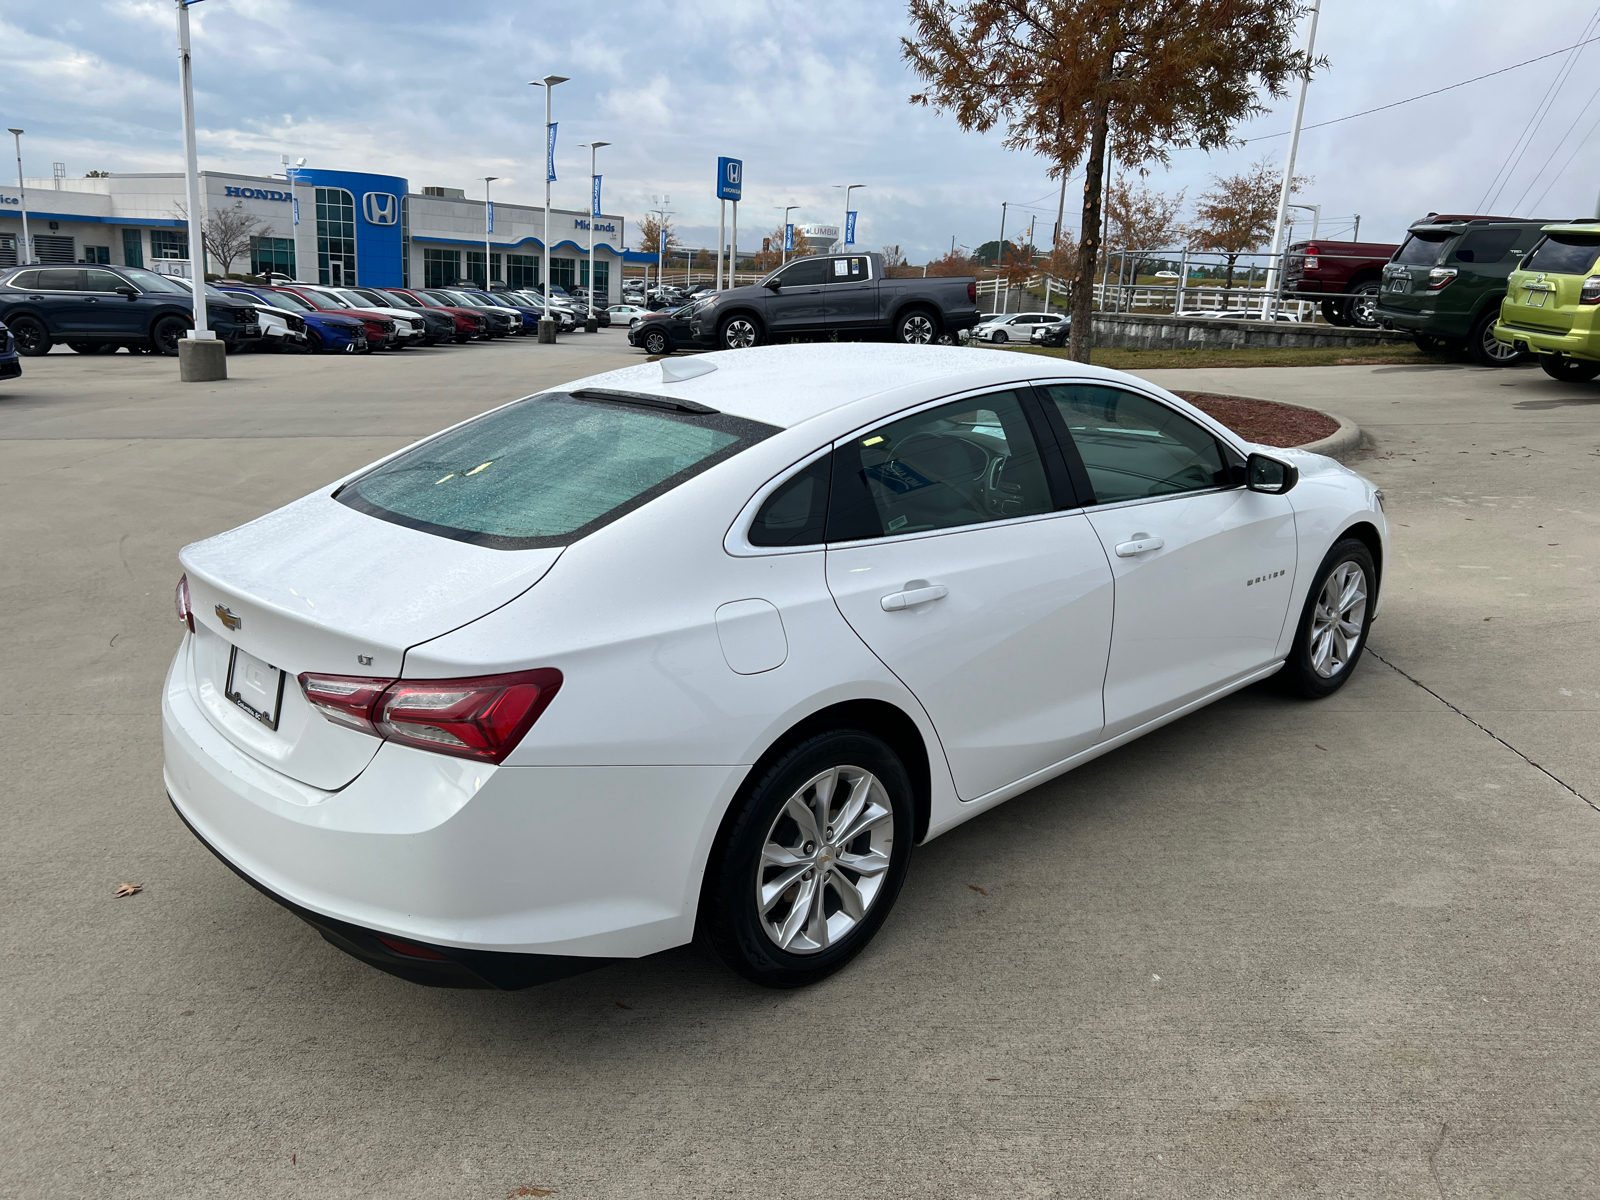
1445	282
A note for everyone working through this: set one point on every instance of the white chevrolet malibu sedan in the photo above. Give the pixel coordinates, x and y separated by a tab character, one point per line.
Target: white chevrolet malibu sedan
706	646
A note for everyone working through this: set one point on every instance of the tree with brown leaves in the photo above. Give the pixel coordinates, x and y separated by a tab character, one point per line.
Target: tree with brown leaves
654	231
1068	78
1138	219
956	263
1237	215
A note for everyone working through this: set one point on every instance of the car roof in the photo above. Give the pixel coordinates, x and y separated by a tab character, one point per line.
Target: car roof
1589	227
788	385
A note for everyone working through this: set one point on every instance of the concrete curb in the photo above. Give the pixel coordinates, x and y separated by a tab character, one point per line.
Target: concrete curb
1344	441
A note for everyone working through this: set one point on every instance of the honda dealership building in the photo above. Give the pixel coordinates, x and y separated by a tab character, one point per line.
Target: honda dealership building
329	226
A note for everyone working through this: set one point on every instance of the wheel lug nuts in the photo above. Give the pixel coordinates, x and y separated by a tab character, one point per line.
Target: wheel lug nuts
809	873
809	848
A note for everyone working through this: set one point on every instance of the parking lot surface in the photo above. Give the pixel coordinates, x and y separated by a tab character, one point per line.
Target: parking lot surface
1278	948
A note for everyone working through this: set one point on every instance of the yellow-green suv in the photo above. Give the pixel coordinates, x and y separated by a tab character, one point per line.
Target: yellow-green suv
1552	304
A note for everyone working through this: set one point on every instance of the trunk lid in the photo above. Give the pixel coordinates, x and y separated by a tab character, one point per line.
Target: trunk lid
318	586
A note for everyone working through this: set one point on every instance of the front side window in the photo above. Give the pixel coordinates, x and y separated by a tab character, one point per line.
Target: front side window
963	463
1134	448
101	281
1564	254
547	470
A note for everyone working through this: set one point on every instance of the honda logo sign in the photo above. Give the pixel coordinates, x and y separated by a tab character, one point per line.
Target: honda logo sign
382	208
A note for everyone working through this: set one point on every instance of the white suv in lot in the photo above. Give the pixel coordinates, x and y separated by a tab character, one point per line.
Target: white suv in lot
1016	327
709	645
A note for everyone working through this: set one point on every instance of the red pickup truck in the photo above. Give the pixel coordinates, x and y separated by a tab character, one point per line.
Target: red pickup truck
1353	271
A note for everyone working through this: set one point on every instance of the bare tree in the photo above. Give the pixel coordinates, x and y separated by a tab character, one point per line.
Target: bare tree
225	234
1238	214
895	265
1070	77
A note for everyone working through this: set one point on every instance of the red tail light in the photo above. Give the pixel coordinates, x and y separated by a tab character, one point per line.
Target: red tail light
972	292
481	718
180	597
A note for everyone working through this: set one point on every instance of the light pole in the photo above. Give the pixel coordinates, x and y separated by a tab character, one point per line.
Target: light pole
662	214
1287	188
786	213
1000	252
488	226
547	323
201	357
592	324
844	230
24	257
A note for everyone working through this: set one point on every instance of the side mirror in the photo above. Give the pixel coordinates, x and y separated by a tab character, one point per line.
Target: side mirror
128	290
773	285
1263	474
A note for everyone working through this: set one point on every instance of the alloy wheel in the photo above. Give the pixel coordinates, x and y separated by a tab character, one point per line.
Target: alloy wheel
1494	348
916	330
655	343
824	860
1338	619
739	334
1364	310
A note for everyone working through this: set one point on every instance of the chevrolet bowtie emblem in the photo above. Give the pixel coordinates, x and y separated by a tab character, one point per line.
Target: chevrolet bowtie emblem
225	615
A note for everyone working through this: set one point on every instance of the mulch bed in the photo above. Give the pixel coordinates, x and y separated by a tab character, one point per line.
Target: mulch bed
1263	421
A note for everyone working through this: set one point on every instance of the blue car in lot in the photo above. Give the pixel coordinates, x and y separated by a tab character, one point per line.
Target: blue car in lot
326	332
10	363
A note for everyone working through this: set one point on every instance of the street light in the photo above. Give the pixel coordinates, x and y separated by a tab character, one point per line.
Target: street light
488	227
547	323
787	210
24	258
591	325
844	230
662	214
205	359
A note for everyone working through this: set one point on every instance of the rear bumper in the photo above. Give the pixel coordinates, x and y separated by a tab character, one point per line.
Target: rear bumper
463	859
1580	344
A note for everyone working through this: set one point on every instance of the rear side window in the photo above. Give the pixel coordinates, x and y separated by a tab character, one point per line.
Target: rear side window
546	470
1487	245
797	513
963	463
61	280
1421	250
1564	254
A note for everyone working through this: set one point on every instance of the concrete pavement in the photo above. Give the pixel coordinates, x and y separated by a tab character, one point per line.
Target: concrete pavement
1278	948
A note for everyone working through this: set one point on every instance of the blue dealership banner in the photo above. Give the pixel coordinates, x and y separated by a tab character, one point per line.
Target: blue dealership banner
594	204
550	154
788	238
489	204
297	210
849	229
730	178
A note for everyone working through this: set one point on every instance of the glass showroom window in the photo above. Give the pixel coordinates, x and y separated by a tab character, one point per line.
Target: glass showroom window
602	278
440	268
97	254
564	272
169	243
336	237
132	248
270	254
523	270
475	267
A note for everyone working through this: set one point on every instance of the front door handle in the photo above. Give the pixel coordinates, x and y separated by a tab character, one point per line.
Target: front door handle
1141	543
918	591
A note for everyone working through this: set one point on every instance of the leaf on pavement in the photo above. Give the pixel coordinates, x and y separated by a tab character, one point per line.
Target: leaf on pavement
977	889
128	889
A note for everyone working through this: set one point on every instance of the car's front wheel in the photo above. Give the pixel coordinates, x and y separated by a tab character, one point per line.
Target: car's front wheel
1568	370
32	338
166	335
655	342
810	860
738	333
999	336
1334	623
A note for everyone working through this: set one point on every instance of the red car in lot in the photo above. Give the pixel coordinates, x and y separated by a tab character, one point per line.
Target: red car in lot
469	323
380	328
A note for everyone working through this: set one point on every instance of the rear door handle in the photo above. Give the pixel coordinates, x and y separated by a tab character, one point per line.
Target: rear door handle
1141	543
895	601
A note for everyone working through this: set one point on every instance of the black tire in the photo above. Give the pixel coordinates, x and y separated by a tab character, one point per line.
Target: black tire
1429	344
1333	312
30	335
998	337
1487	350
1361	310
917	327
738	332
730	922
1301	675
1568	370
656	341
167	333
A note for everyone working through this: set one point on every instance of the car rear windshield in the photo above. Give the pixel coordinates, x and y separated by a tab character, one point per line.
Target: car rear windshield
1564	254
547	470
1422	249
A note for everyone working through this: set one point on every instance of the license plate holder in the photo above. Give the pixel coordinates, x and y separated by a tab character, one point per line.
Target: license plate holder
1537	297
255	686
1399	283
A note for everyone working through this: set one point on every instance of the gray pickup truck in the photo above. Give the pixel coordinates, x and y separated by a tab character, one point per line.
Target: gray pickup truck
843	294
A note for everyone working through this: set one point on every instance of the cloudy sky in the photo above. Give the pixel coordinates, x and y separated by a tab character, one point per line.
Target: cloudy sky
810	95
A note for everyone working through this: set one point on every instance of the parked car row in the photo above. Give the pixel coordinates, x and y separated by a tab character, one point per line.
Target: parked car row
101	309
